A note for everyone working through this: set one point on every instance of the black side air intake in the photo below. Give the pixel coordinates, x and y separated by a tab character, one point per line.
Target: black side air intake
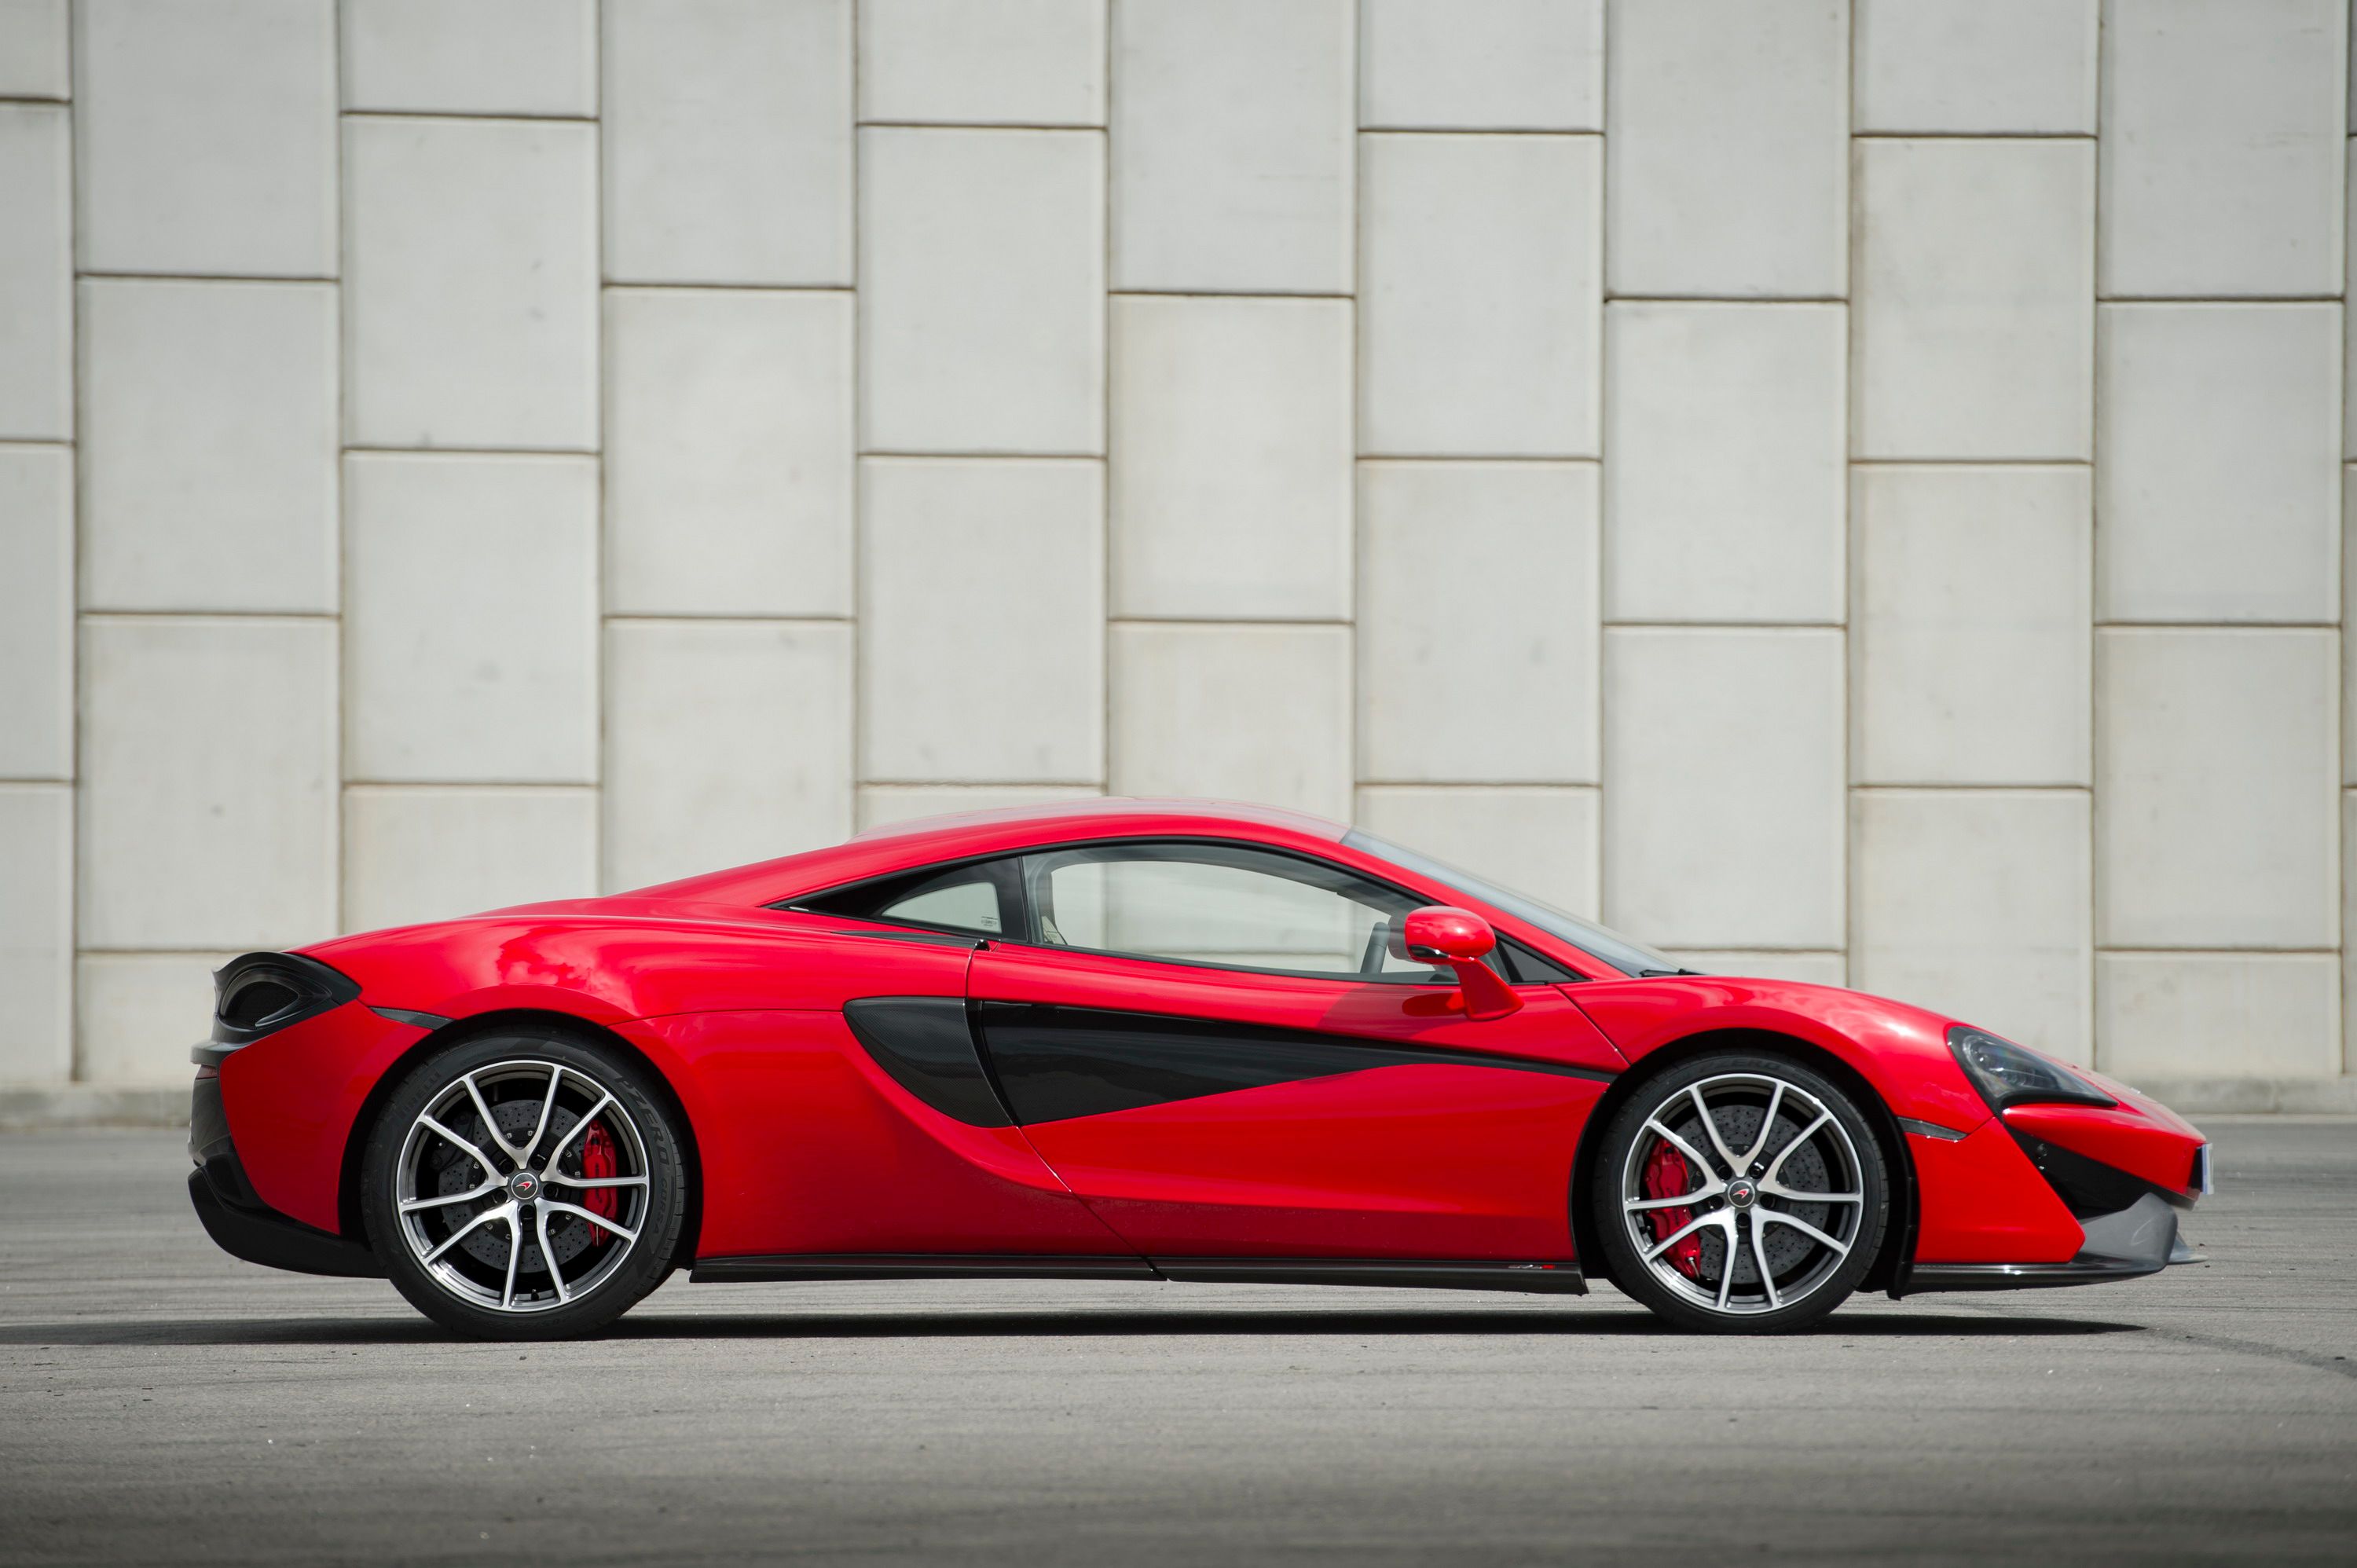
263	993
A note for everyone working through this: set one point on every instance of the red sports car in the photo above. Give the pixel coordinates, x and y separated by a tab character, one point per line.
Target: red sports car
1127	1039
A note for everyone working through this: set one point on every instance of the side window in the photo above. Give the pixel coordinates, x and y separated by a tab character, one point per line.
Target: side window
1220	905
1523	967
968	906
976	898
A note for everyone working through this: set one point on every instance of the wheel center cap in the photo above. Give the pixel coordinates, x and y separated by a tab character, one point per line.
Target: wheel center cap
523	1186
1741	1194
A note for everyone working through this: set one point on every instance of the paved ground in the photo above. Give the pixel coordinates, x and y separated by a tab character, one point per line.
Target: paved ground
159	1401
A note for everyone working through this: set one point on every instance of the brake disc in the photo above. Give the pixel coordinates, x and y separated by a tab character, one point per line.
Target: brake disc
1739	1127
568	1236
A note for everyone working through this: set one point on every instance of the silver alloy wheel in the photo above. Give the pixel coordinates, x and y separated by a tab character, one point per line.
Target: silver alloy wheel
474	1185
1768	1187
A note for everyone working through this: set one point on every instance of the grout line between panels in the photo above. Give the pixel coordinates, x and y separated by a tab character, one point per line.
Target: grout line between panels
1726	299
299	617
2220	298
705	285
1105	422
1113	294
78	417
470	451
1975	788
312	278
1080	127
542	786
2216	952
981	783
856	547
468	116
1886	135
492	116
692	618
601	653
1971	462
903	454
1557	134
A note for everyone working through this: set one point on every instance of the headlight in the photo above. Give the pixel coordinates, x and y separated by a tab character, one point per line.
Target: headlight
2007	1074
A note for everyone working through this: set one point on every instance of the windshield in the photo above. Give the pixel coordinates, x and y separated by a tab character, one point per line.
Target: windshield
1629	958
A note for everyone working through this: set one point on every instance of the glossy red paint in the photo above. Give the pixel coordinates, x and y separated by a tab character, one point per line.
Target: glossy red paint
1460	939
1901	1051
2157	1147
806	1146
1453	935
1983	1202
294	1098
1423	1161
1408	1162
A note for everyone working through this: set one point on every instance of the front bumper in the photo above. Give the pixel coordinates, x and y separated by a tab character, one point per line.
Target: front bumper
2124	1173
2135	1241
237	1220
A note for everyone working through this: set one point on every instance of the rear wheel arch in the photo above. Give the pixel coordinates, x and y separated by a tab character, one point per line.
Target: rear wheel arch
1899	1236
348	1217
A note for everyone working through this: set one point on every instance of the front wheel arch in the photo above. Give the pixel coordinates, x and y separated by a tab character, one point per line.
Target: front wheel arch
350	1220
1899	1236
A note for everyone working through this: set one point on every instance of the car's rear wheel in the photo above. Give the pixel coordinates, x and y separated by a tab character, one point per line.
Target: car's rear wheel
1740	1193
522	1186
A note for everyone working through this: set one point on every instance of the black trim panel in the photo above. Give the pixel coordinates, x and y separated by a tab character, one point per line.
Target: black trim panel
926	1043
914	934
1551	1278
2088	1186
208	1118
267	1237
920	1266
1930	1130
414	1020
1054	1063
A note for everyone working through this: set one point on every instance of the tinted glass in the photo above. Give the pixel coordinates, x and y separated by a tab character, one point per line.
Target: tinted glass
968	906
1220	905
976	898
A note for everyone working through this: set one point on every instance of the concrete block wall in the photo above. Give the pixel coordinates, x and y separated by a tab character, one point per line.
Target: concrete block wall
1845	490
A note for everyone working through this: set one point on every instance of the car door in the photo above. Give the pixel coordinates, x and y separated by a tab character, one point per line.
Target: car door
1220	1049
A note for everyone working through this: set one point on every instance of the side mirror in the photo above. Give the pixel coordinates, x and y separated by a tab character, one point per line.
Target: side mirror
1440	933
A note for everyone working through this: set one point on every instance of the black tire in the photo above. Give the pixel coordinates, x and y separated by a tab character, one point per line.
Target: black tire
1779	1238
606	1125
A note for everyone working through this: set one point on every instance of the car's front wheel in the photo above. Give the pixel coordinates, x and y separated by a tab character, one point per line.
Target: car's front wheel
1740	1193
526	1187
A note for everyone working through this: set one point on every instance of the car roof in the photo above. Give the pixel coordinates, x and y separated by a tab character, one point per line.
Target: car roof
924	841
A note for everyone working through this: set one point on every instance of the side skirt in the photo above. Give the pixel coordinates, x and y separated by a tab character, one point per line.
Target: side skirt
918	1266
1562	1278
1557	1278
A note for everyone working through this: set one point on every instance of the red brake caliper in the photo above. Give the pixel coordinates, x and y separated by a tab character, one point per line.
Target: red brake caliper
1665	1176
598	1160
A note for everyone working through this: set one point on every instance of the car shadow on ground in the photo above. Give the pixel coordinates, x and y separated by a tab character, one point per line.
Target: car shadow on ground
1032	1324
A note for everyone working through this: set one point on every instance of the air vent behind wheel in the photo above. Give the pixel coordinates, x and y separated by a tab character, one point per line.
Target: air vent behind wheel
255	1000
263	993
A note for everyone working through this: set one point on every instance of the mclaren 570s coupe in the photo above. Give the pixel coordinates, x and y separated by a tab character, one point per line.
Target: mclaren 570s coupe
1136	1040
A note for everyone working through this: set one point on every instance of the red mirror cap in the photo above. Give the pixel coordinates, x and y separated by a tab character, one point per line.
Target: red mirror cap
1458	935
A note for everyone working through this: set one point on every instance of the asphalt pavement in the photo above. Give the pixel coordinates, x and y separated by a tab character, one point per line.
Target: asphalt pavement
161	1402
